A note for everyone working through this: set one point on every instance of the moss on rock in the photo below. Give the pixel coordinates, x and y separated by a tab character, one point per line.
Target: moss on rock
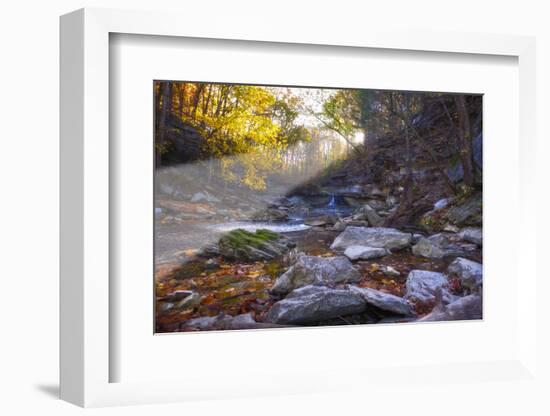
262	244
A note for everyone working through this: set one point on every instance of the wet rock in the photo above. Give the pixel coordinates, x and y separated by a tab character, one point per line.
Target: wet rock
421	286
384	301
388	238
242	245
317	271
270	214
357	223
469	272
472	235
319	221
364	253
465	308
314	305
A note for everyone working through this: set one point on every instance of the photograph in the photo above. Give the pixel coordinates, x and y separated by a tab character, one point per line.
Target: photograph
281	206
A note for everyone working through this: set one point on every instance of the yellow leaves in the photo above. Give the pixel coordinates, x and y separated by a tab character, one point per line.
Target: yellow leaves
374	267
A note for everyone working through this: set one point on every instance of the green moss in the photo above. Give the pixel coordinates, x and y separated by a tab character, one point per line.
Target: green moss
239	239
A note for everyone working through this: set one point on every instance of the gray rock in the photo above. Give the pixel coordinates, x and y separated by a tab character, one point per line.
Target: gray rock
227	322
339	226
426	248
177	295
189	302
270	214
368	213
440	245
315	306
389	271
416	238
204	196
469	272
205	322
317	271
472	235
364	253
388	238
442	203
318	221
450	228
306	290
467	213
422	285
466	308
385	301
165	306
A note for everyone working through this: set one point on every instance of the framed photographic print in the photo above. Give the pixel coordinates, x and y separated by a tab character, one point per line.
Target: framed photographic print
281	206
293	209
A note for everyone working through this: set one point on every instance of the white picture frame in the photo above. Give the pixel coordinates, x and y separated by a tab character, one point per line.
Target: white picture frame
86	356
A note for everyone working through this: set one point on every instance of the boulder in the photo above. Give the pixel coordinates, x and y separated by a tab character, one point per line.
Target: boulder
465	308
314	305
440	245
468	212
319	221
339	226
364	253
472	235
388	238
469	272
425	248
422	285
270	214
242	245
226	322
384	301
312	270
368	213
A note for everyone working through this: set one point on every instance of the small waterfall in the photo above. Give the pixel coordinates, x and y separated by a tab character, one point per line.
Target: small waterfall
332	202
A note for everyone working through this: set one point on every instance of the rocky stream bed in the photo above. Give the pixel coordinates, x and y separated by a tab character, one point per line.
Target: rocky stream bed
325	259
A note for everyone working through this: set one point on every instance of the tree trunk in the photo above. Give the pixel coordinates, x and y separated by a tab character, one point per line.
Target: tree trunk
166	92
196	100
465	139
182	99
